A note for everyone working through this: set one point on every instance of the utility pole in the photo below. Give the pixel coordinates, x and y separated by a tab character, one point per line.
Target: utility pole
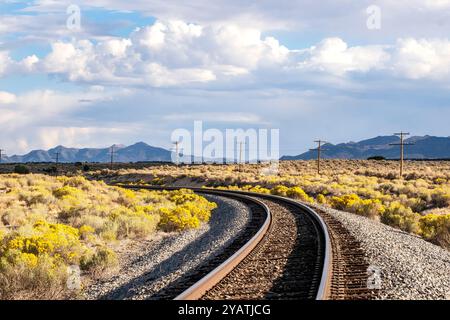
240	155
402	144
112	153
319	151
1	150
57	153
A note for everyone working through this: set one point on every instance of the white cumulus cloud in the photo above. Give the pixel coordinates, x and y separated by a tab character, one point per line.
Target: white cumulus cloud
166	54
7	98
42	118
333	55
422	58
175	53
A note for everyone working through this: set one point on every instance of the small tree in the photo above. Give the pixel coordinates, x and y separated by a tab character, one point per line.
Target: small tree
51	169
21	169
378	158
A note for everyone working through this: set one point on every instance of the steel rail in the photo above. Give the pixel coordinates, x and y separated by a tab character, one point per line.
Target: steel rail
197	290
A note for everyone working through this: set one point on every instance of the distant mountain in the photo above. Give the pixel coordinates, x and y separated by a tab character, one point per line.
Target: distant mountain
425	147
137	152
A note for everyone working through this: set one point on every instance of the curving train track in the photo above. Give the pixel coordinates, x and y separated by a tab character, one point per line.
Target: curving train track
285	252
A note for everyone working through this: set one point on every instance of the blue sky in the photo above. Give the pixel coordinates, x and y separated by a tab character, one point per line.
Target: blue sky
137	70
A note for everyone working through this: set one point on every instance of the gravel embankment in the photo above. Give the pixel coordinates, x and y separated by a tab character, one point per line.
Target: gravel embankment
149	266
411	268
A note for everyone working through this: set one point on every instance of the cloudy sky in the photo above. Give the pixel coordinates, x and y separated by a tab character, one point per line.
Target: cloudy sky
136	70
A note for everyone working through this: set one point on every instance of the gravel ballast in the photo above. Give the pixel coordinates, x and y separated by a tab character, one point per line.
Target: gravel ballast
149	266
283	265
410	267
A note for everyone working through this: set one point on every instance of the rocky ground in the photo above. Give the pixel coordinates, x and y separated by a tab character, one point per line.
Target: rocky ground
410	268
147	267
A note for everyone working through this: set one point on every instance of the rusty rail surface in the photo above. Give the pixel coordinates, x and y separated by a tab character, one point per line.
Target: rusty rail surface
211	279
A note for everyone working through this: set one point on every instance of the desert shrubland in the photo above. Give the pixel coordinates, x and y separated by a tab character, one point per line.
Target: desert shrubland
48	224
418	203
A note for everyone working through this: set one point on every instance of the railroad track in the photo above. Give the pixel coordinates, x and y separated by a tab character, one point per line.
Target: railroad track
284	253
289	263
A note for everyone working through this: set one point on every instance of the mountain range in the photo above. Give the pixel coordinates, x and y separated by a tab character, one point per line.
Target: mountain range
137	152
421	147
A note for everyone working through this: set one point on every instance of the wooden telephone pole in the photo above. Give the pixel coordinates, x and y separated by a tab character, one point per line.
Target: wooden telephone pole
240	155
112	152
57	153
319	151
402	144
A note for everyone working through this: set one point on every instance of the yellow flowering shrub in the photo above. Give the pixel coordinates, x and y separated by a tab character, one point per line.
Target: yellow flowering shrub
37	255
381	194
279	190
298	193
78	182
440	197
436	228
251	188
259	189
371	208
345	202
397	215
48	223
321	199
182	196
86	231
55	240
178	218
126	197
67	192
190	211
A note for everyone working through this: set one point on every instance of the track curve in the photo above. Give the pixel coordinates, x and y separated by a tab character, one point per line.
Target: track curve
286	255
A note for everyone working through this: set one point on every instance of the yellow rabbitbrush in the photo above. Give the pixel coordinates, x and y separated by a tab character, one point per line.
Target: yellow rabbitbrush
48	224
190	211
435	228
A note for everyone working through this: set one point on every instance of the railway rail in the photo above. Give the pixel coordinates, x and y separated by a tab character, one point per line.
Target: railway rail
284	253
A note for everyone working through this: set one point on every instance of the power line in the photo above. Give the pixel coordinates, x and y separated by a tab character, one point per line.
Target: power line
319	151
402	144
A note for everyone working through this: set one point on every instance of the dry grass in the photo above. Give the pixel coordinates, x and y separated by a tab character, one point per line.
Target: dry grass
419	203
48	224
